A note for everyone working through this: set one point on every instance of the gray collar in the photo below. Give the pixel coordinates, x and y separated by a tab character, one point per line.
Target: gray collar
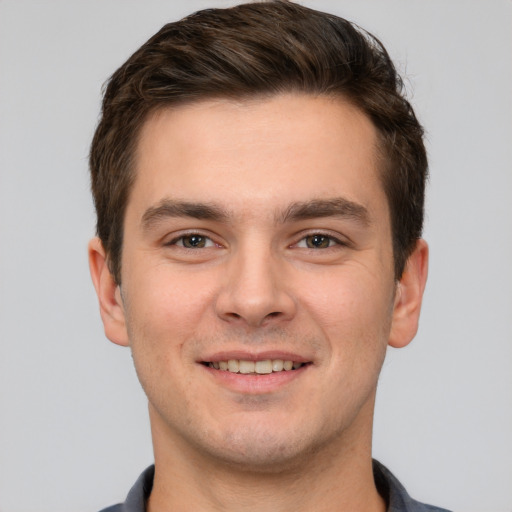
397	498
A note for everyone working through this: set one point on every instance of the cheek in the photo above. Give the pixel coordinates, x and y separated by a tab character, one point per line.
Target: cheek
161	315
164	311
353	308
167	302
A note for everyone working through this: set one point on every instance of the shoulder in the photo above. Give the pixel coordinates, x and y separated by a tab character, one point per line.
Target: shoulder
395	494
138	495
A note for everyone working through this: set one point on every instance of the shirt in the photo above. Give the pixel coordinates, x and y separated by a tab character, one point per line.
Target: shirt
388	486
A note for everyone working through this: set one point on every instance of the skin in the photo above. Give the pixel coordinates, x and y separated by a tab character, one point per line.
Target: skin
261	172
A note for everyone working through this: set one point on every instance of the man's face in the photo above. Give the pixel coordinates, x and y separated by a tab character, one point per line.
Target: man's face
258	232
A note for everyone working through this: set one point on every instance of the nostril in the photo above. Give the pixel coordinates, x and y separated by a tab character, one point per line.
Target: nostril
239	304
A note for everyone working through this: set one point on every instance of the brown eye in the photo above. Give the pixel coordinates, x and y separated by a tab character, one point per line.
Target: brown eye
194	241
318	241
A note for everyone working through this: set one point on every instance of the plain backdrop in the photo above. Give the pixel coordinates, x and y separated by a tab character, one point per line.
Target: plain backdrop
74	432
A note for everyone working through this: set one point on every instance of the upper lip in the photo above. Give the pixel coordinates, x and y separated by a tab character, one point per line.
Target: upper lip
255	356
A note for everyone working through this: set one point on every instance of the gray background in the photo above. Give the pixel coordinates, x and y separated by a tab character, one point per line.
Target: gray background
73	428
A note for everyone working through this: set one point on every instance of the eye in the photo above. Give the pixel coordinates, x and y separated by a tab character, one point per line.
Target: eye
318	241
193	241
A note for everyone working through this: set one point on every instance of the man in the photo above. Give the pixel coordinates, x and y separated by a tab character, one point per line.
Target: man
259	184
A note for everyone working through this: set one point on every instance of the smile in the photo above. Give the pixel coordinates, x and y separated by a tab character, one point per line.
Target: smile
263	367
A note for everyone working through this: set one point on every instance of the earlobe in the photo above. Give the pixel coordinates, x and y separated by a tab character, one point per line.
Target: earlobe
408	298
109	295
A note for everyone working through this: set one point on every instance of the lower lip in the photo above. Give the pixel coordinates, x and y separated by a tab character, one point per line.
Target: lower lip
255	384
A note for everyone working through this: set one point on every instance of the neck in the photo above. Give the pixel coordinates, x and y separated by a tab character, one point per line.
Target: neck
337	477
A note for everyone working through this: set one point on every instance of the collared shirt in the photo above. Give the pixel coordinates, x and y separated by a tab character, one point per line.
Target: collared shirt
388	486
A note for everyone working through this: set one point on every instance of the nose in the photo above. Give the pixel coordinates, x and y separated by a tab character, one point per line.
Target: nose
256	290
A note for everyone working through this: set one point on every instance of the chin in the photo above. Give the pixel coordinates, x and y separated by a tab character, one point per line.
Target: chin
261	448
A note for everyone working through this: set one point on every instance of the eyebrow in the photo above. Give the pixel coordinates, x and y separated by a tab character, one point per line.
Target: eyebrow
315	208
335	207
171	208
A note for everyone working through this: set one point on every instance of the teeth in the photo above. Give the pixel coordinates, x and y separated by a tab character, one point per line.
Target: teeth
277	365
259	367
263	366
233	365
246	366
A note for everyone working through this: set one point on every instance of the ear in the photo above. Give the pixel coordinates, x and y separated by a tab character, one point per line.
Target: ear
408	297
109	294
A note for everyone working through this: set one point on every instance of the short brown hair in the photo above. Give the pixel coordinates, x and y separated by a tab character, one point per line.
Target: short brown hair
258	49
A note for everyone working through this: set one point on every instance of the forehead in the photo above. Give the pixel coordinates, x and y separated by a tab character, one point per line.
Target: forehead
258	152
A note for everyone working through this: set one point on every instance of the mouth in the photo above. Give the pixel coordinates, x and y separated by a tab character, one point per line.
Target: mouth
262	367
